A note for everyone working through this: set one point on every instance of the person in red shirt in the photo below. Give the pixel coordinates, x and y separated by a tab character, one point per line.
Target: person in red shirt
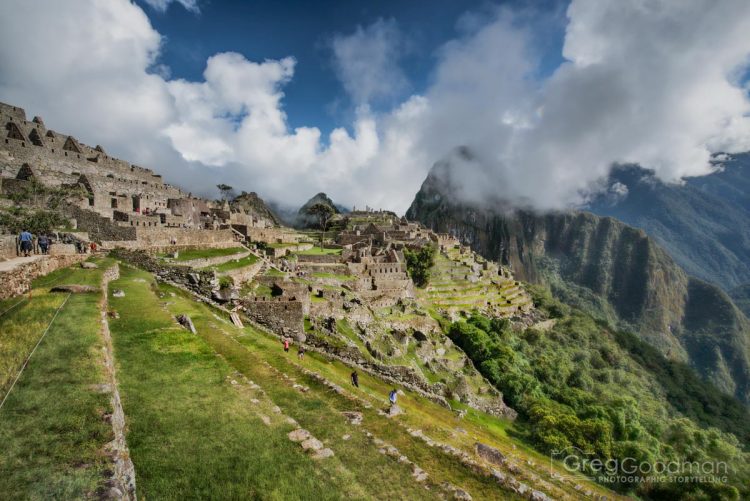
286	345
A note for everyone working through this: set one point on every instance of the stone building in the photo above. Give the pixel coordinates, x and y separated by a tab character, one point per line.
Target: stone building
120	202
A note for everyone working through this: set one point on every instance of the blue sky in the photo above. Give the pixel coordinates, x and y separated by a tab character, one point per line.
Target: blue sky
359	99
267	29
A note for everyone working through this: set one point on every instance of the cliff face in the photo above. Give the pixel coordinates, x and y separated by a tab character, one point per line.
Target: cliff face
704	223
615	269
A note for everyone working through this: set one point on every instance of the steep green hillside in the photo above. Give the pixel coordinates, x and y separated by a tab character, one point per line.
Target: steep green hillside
704	223
624	276
580	385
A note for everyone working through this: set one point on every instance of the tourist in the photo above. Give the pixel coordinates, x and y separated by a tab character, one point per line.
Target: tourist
44	243
355	379
392	396
286	345
26	239
93	247
301	352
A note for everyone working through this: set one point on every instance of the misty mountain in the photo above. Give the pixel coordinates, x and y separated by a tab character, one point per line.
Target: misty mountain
704	224
607	268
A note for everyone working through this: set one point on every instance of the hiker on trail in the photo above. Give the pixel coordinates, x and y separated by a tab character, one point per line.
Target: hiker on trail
355	379
93	247
286	345
26	239
301	352
392	396
44	243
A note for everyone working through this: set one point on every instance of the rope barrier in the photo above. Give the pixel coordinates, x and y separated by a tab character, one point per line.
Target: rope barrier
32	351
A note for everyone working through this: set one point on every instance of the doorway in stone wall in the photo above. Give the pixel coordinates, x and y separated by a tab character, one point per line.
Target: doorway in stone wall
136	203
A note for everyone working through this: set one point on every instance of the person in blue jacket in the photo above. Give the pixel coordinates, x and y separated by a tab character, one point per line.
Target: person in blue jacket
26	239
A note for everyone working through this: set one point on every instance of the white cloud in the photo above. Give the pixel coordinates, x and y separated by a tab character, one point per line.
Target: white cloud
367	62
650	82
163	5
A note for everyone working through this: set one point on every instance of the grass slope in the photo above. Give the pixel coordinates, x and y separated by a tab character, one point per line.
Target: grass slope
52	429
191	434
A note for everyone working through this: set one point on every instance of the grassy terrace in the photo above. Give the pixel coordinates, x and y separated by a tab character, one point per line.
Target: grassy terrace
190	254
235	264
203	437
318	411
317	251
197	428
52	429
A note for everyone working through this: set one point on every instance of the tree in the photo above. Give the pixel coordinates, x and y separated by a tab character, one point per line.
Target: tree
227	192
323	213
418	264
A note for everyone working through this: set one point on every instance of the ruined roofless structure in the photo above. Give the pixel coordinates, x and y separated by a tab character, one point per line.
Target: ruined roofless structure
116	194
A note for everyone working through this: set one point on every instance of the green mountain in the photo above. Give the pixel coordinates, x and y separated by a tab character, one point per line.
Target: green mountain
704	223
303	218
607	268
251	203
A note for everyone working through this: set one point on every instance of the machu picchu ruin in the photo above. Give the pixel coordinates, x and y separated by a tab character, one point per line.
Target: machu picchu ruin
343	293
343	346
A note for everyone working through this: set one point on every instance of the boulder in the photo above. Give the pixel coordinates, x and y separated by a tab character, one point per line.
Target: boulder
353	417
312	444
489	454
394	410
299	435
185	321
323	453
118	293
89	265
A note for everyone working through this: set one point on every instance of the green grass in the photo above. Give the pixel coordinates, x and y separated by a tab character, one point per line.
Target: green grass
191	433
52	429
190	254
317	409
236	263
317	251
281	245
273	272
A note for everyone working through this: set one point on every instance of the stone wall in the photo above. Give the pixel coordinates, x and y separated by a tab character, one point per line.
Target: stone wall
149	238
319	258
17	280
99	228
199	281
241	275
8	247
281	315
212	261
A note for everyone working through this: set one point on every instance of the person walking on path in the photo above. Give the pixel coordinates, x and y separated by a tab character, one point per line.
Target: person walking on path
392	396
301	352
25	239
286	345
355	379
44	243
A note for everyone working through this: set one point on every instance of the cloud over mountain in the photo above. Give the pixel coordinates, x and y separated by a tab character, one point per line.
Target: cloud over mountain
655	82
